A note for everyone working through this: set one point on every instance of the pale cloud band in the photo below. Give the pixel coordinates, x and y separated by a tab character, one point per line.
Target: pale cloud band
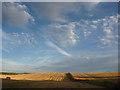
91	62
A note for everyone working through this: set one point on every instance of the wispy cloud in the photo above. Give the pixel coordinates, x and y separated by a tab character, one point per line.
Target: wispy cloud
65	35
12	40
24	39
107	26
59	49
110	30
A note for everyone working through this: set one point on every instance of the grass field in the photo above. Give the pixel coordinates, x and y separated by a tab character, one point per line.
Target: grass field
62	80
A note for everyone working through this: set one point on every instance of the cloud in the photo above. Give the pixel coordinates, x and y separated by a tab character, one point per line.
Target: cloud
94	26
23	39
85	62
3	34
86	33
12	40
64	35
67	34
16	14
70	33
104	29
89	62
59	49
85	28
110	30
57	11
52	11
39	60
95	21
3	37
14	66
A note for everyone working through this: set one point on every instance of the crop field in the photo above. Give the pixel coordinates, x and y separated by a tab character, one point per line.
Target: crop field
37	76
61	80
96	76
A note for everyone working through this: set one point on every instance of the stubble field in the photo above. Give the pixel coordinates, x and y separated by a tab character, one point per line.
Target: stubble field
62	80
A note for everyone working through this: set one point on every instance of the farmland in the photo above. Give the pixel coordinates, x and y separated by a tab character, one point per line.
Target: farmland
62	80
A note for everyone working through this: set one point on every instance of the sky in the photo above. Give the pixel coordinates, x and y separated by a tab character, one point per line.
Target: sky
76	37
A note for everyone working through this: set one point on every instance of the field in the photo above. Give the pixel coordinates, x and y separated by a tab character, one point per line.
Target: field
61	80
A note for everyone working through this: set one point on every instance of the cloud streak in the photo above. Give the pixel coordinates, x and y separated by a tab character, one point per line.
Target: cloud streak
59	49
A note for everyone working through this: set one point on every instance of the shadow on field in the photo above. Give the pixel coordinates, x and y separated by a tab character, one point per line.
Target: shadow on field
100	77
108	83
27	83
44	84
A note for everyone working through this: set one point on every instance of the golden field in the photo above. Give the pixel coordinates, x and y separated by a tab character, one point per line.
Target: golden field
62	80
